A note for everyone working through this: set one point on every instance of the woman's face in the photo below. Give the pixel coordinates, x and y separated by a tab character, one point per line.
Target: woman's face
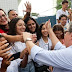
3	18
44	31
58	34
20	27
31	25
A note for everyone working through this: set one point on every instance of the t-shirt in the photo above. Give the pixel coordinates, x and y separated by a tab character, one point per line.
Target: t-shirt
60	12
46	46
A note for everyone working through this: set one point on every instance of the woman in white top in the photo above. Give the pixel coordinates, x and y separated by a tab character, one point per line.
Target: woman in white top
44	42
43	38
17	26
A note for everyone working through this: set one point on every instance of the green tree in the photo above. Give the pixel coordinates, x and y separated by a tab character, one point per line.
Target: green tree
35	14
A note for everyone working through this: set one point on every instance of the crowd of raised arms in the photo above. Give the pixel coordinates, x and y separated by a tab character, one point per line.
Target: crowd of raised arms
26	46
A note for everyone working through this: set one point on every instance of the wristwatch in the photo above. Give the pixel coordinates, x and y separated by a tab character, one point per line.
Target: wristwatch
28	39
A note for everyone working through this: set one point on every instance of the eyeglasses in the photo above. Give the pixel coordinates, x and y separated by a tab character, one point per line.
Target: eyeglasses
2	16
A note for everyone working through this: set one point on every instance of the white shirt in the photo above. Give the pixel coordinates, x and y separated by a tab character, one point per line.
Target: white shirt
13	67
61	59
19	47
60	12
46	46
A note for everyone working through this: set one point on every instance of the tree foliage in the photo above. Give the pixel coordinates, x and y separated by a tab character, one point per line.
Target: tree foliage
35	14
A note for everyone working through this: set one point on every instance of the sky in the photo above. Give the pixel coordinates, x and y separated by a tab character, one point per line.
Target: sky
43	7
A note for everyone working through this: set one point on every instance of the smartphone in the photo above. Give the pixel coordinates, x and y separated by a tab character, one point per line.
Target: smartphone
16	56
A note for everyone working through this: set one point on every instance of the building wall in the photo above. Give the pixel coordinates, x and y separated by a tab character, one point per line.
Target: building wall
46	18
9	4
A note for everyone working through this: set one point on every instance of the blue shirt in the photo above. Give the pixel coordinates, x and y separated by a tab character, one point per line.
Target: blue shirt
61	59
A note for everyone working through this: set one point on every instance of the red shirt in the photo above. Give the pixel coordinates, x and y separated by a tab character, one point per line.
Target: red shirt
2	31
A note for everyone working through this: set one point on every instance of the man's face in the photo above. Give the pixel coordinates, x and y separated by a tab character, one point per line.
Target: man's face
68	39
63	21
13	14
65	6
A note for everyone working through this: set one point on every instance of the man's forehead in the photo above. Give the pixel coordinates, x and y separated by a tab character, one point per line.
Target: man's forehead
68	33
13	12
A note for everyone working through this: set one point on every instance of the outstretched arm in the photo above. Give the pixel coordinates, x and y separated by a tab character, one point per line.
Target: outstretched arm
24	55
28	10
11	38
52	36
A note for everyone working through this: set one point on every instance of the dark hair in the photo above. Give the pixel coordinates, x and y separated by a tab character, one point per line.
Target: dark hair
11	10
59	27
27	29
39	35
65	1
62	15
3	11
12	26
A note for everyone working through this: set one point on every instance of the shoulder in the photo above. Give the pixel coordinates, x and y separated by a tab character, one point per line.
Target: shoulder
59	10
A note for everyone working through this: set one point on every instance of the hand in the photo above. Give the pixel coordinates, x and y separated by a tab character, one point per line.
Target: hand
21	37
34	38
4	34
24	52
37	43
70	11
29	35
3	48
6	61
28	7
48	25
26	35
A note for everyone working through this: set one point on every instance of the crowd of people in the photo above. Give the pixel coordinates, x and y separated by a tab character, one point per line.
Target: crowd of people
26	46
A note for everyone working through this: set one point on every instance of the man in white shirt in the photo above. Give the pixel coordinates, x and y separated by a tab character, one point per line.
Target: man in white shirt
63	10
61	59
63	21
